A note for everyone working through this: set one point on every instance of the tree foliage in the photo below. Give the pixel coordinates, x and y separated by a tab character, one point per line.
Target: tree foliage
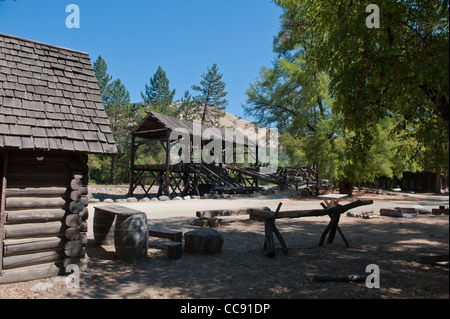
158	96
116	98
210	101
345	96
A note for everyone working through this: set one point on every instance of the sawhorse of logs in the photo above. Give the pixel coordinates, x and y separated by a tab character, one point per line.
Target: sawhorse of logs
334	213
209	217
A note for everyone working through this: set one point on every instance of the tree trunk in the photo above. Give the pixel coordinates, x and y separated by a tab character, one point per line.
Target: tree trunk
437	181
346	188
111	170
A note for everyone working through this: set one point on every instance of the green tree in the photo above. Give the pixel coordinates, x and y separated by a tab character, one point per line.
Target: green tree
158	95
210	102
294	95
116	99
188	107
400	68
120	115
103	78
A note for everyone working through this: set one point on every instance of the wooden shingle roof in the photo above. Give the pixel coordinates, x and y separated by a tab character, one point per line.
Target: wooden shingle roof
157	126
50	100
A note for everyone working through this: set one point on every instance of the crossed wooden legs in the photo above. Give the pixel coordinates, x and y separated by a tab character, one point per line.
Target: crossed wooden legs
270	228
331	228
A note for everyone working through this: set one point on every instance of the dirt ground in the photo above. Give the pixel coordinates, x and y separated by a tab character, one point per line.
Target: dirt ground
243	271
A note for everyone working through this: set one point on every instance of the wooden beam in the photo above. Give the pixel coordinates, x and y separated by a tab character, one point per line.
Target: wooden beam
152	131
167	180
313	212
30	273
132	155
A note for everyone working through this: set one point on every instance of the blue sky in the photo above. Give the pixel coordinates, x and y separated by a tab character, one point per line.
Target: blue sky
135	36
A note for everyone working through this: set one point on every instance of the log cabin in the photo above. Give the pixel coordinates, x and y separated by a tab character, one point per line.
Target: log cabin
51	118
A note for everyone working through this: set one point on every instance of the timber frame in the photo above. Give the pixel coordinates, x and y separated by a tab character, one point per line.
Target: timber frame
184	178
199	178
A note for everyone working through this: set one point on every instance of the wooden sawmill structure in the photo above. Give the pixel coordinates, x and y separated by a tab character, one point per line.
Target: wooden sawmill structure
188	178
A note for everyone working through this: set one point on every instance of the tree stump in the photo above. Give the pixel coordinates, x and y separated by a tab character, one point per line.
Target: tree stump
173	250
203	242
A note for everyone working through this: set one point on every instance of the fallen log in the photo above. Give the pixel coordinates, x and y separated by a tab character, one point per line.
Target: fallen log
340	278
431	259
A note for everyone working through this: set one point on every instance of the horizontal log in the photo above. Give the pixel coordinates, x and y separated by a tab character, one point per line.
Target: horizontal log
32	259
83	157
36	192
53	169
77	165
311	213
29	245
340	278
34	216
34	202
25	157
228	212
34	230
431	259
173	235
30	273
25	180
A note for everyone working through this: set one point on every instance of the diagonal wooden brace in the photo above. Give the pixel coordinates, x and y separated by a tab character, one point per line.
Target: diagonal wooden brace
269	229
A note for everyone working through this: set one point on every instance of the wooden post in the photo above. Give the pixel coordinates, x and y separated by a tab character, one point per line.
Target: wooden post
132	155
256	165
167	180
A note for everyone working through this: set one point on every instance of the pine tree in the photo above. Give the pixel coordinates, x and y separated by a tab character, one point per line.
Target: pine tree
158	95
211	100
116	99
103	78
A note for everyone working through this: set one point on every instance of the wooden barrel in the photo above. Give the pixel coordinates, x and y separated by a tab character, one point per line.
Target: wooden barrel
103	227
131	236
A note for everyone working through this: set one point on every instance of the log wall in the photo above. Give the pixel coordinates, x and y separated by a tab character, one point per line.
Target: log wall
44	214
